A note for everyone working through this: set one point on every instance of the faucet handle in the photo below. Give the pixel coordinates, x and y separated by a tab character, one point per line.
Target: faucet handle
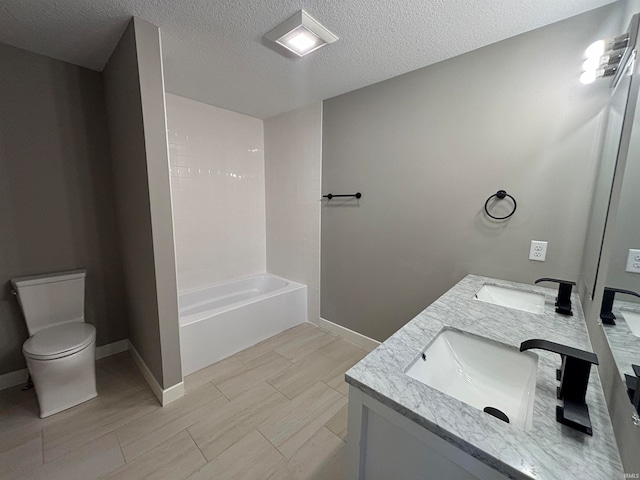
563	300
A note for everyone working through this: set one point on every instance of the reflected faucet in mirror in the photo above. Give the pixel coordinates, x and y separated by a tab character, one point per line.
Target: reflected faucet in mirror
632	387
606	313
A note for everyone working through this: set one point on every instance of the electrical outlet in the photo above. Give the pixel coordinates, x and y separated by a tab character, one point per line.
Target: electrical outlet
538	251
633	261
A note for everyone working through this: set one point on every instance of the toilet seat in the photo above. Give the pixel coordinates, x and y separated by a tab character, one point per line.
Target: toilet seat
59	341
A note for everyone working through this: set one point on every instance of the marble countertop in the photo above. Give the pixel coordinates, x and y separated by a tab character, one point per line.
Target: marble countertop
549	450
625	346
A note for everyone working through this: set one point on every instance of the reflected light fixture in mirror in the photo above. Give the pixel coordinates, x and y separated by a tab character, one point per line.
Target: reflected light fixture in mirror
603	58
301	34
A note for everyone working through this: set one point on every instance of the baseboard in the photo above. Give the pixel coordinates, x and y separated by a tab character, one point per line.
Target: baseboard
354	337
12	379
109	349
172	393
164	396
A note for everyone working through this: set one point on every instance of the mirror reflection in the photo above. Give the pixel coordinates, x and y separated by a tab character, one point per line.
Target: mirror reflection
610	256
604	179
620	310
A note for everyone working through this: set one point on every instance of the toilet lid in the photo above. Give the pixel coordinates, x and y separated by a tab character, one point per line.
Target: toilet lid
59	340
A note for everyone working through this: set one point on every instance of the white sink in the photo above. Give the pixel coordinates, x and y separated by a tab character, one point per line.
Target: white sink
633	320
481	373
509	297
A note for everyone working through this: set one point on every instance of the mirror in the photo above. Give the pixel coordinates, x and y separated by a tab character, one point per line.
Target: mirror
624	334
604	181
613	230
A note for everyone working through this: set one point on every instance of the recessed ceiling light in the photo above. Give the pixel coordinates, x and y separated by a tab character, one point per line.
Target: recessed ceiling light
301	34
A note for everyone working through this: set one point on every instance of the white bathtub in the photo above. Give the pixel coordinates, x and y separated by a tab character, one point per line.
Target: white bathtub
218	321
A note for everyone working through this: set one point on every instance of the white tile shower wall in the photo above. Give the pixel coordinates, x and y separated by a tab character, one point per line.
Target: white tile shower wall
217	180
293	172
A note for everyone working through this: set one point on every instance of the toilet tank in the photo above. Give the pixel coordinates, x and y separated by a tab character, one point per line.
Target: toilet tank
51	299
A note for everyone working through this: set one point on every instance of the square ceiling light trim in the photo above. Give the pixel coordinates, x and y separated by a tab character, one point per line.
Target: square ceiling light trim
301	34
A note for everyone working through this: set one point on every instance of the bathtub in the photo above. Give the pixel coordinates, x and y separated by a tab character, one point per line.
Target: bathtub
221	320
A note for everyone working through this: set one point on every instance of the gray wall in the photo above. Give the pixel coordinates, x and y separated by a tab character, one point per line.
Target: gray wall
57	210
133	90
428	148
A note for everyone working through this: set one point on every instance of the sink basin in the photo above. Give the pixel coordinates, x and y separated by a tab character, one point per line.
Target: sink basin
633	320
511	298
481	373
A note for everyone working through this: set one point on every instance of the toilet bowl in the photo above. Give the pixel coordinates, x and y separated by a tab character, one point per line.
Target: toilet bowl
60	352
61	361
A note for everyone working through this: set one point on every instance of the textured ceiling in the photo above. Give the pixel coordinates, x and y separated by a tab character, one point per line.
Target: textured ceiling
213	50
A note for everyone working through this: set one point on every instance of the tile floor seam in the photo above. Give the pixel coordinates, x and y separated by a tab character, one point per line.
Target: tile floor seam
93	439
314	351
214	458
196	444
140	456
284	457
159	427
124	459
317	348
121	451
217	388
283	357
170	438
335	390
275	388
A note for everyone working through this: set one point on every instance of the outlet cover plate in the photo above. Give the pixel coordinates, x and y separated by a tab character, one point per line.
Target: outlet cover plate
633	261
538	251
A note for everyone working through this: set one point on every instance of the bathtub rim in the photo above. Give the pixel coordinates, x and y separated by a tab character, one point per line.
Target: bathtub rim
186	320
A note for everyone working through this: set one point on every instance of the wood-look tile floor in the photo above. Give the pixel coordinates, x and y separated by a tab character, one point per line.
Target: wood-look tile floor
277	410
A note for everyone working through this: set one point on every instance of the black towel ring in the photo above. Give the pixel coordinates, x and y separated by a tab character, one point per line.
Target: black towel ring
500	194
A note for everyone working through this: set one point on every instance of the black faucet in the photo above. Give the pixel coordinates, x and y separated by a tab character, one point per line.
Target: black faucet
574	379
563	300
633	387
606	315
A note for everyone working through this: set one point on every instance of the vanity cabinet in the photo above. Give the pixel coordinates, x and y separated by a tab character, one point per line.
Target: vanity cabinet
383	444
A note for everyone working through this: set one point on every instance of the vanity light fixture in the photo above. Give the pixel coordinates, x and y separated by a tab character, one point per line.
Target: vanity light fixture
599	47
301	34
603	58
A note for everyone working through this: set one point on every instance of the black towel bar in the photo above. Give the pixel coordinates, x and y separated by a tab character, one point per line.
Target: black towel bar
331	195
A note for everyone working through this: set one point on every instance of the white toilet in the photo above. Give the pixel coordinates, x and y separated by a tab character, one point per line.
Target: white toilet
61	348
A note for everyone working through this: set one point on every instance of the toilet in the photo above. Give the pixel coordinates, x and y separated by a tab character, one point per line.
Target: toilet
61	348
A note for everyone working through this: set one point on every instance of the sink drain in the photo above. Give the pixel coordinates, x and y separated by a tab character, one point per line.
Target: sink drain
496	413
